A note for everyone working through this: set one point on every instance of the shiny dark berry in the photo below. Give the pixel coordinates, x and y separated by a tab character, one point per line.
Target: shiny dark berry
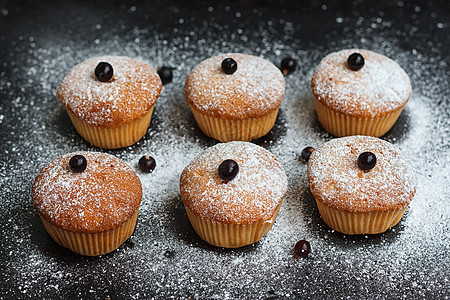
306	153
288	65
165	73
78	163
302	249
147	163
366	161
229	66
228	169
355	61
104	72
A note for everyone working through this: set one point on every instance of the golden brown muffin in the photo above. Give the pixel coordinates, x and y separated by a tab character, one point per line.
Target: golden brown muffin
91	212
237	212
352	200
363	102
115	113
238	106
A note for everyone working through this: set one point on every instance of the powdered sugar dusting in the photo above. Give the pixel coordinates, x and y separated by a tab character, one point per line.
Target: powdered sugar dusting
338	182
379	87
255	89
164	258
129	95
100	198
253	195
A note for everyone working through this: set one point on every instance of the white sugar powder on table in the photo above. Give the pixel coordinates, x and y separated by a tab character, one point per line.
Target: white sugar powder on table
167	259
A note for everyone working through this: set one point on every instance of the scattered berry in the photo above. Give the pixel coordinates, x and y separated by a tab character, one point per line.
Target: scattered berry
366	161
288	65
229	66
355	61
78	163
306	153
147	163
302	249
165	73
228	169
104	72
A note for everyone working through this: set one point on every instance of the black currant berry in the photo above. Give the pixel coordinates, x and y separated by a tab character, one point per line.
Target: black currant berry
104	72
288	65
355	61
306	153
78	163
229	66
147	163
228	169
165	73
367	161
302	249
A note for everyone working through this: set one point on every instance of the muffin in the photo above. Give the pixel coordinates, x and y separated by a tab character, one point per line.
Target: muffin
110	99
88	201
235	97
362	184
232	193
359	92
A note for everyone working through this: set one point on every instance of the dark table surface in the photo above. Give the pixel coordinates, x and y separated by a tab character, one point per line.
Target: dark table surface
41	41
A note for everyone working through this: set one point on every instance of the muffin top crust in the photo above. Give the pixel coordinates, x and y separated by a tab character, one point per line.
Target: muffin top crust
127	96
105	195
380	87
255	89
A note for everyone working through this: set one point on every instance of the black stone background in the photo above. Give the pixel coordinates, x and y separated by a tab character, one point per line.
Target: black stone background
56	22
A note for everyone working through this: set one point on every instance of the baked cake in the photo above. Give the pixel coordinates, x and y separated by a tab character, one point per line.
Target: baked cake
362	184
110	99
232	193
359	92
88	201
235	96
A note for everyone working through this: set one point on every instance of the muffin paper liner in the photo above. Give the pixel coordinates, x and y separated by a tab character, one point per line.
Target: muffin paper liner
112	137
230	235
226	130
360	223
92	244
340	125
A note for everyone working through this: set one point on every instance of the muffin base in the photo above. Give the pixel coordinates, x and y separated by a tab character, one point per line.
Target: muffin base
360	223
226	130
230	235
339	124
92	244
113	137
